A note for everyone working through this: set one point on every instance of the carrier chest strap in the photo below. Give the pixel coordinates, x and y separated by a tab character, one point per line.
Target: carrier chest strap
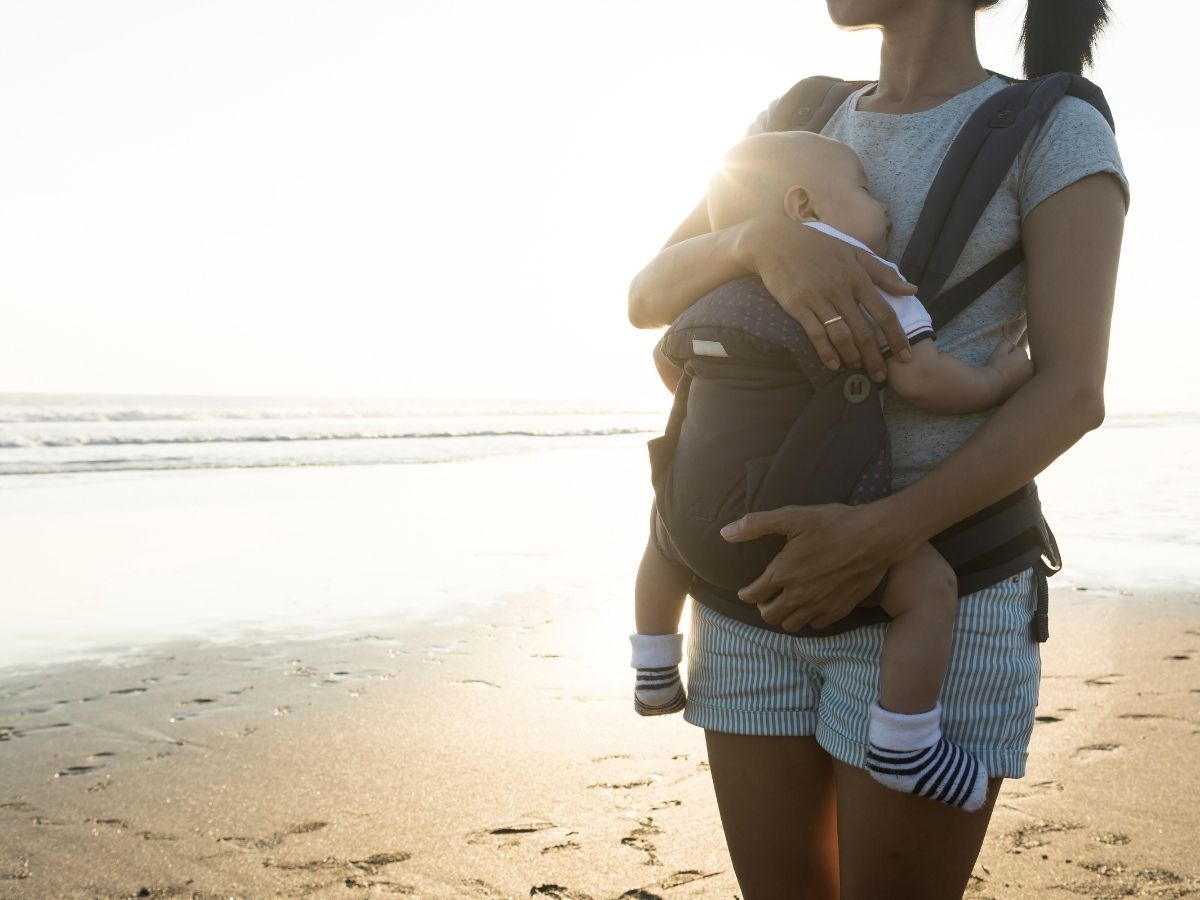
951	302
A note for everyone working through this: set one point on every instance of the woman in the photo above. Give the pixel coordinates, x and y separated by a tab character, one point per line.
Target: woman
785	717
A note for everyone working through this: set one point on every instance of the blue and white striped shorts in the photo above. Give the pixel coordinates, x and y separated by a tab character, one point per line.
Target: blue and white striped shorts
747	680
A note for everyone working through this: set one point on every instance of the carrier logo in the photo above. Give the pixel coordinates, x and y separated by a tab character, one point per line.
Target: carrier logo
708	348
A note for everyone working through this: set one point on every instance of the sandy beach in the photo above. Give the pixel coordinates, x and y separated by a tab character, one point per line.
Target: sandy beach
481	749
504	760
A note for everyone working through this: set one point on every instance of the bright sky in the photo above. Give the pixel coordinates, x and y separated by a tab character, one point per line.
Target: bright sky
445	197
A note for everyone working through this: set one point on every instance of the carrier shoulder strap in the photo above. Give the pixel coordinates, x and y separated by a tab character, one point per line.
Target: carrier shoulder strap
974	167
810	103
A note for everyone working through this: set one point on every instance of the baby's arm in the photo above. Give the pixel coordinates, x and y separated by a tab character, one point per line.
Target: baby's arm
940	383
667	370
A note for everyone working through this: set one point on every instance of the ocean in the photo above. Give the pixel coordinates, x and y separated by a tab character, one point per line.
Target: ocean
128	522
43	434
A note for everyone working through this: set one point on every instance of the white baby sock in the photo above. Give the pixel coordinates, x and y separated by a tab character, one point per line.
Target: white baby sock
656	657
908	753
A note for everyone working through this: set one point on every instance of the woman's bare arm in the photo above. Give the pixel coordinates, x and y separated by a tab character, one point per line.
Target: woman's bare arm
836	554
813	276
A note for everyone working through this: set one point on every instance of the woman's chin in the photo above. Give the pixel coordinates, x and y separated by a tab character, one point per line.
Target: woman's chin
855	15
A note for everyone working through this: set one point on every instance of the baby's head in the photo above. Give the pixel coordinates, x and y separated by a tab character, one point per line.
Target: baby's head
804	176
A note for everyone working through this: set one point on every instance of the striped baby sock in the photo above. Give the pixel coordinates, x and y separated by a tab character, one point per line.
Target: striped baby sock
656	657
909	754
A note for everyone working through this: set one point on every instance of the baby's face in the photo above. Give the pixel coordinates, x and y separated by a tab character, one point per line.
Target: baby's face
844	201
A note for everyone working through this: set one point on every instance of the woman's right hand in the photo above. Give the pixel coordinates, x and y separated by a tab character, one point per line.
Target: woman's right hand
815	278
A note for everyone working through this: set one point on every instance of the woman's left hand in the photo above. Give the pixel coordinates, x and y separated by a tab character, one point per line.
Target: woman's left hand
834	557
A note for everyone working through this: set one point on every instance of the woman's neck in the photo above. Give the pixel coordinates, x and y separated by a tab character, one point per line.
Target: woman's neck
925	60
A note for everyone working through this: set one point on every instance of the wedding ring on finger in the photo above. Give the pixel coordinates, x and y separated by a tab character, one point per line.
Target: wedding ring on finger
829	322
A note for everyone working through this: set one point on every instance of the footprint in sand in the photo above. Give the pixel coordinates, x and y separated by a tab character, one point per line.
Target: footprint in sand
1103	680
1046	720
369	865
1021	790
119	824
627	785
75	770
1150	716
674	880
1119	879
513	831
9	732
557	892
273	840
638	839
1037	835
1095	751
38	710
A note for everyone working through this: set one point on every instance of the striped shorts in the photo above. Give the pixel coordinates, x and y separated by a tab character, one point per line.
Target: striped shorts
747	680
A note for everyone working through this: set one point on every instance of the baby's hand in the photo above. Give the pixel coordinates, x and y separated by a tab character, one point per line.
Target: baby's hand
1014	366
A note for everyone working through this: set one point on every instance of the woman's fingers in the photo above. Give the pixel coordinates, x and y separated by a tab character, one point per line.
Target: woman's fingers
841	335
761	591
817	278
820	338
796	620
756	524
883	275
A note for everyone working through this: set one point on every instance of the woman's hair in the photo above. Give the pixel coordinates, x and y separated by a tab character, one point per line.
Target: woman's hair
1058	35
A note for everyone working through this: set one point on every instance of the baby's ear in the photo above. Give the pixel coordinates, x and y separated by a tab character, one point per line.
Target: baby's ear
798	204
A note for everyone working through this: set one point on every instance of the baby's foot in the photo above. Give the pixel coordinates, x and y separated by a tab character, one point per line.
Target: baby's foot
658	689
908	753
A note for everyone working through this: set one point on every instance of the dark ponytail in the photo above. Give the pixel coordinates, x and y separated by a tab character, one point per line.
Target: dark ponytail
1058	35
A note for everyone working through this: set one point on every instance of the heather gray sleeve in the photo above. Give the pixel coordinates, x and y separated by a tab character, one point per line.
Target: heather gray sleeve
1071	144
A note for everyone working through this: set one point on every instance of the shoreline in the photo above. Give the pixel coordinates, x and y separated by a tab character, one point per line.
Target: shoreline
500	757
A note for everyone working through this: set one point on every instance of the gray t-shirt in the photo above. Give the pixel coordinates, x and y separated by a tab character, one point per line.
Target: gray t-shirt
901	154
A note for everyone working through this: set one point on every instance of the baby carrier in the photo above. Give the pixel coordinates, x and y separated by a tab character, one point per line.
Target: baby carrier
759	422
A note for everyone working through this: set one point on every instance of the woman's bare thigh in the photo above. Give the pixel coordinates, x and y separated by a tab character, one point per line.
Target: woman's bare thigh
895	846
779	812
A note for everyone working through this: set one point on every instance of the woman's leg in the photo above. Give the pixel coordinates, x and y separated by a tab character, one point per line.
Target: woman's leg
895	846
779	811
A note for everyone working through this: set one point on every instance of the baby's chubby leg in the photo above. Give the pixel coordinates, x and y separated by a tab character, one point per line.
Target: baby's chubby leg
907	751
659	595
922	599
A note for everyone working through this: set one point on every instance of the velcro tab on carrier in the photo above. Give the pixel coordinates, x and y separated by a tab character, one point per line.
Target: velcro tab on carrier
708	348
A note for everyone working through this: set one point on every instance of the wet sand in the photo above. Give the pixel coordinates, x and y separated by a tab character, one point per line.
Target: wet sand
502	758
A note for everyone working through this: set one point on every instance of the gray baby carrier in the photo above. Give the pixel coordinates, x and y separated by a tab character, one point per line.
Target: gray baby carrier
759	422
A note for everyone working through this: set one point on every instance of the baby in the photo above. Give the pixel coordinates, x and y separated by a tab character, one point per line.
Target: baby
821	183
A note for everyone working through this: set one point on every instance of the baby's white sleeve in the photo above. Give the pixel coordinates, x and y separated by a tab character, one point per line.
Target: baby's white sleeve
914	317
